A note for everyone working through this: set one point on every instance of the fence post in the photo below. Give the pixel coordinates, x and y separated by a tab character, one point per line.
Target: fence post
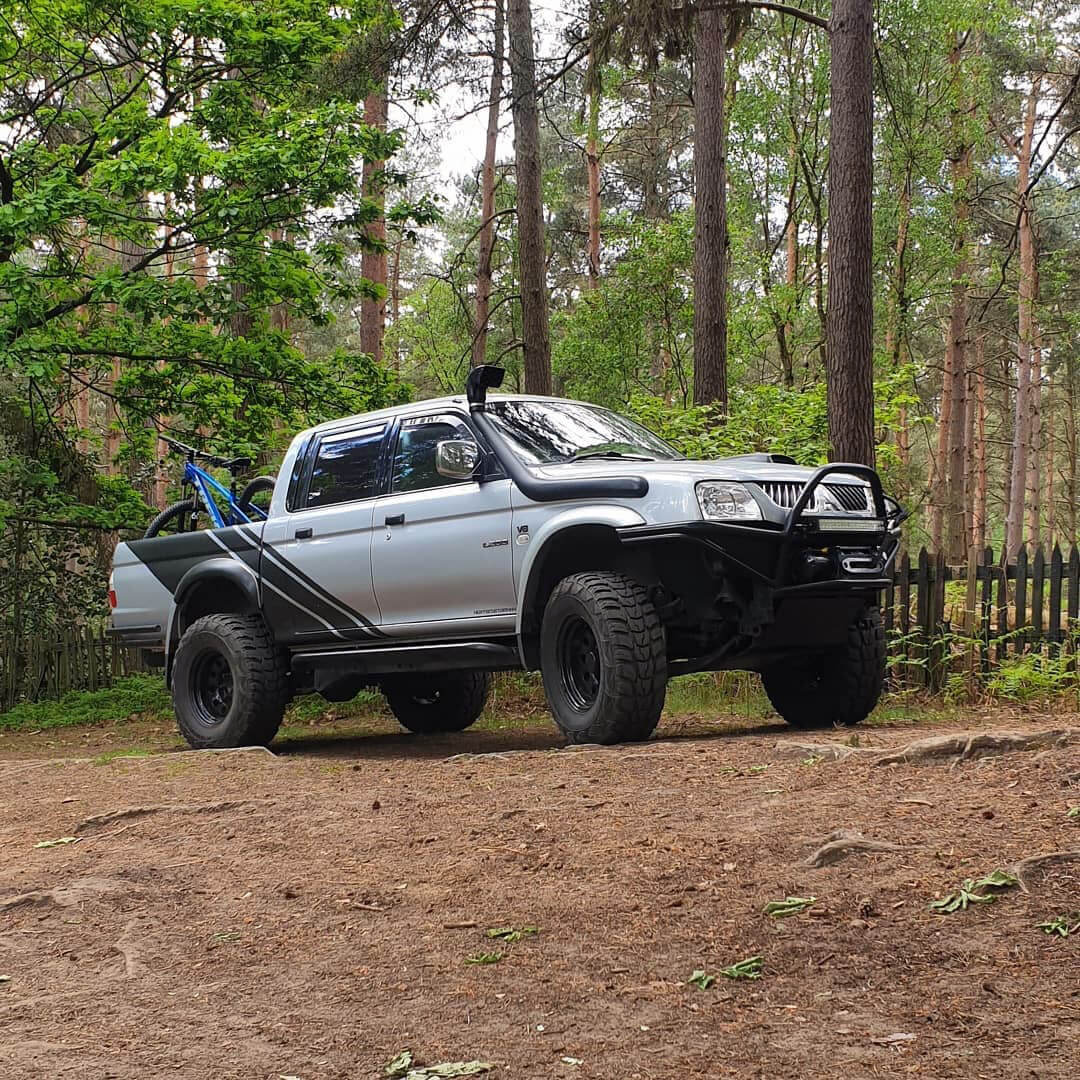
1038	577
1072	604
987	573
940	627
1021	599
924	613
1057	570
905	614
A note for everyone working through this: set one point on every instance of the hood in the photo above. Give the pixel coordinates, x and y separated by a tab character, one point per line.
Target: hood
748	468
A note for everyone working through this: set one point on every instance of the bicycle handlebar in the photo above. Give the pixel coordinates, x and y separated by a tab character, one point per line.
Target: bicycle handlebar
232	464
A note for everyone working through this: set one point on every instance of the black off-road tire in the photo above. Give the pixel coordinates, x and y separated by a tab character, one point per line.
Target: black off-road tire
438	703
840	687
603	658
173	519
230	683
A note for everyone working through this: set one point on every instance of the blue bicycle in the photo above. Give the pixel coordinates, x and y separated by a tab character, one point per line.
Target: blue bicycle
202	492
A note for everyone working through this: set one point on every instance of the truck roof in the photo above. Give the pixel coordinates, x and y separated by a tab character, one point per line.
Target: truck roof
453	400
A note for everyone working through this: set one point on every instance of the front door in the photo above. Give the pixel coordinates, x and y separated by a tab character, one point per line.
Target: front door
441	550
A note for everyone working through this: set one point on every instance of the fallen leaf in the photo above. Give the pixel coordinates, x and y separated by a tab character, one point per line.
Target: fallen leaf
895	1037
58	841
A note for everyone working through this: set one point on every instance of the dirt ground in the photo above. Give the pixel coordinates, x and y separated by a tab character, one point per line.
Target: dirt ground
310	914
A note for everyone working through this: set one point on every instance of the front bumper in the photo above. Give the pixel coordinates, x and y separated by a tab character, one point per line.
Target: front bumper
801	553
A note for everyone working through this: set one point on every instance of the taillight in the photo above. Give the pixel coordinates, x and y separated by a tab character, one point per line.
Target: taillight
112	598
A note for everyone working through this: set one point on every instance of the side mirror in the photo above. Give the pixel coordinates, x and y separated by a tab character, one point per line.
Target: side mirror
457	459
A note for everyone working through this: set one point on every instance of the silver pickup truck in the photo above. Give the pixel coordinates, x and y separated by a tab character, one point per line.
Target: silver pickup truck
420	548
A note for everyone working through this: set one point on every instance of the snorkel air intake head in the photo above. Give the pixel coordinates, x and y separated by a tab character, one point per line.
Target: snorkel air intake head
479	381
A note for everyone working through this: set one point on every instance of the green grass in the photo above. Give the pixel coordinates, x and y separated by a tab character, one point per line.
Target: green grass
116	755
517	702
136	695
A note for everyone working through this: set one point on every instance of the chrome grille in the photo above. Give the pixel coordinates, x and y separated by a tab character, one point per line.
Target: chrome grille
786	493
782	493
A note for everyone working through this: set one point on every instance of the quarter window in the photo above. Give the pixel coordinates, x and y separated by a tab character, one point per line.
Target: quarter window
346	468
414	460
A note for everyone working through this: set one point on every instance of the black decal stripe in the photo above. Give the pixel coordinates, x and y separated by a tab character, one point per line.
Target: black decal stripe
295	592
319	621
169	558
271	553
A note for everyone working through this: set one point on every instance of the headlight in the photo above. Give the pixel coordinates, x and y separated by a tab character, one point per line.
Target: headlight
825	500
722	500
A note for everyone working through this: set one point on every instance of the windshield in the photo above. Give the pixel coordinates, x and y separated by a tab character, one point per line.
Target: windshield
548	432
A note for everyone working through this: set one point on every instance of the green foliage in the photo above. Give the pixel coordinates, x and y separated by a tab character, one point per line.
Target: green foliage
762	418
972	891
1031	676
750	968
791	905
136	695
1061	926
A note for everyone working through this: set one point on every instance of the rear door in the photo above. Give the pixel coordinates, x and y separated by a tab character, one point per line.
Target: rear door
316	564
441	551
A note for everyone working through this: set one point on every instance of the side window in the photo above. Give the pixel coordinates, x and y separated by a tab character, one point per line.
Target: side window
414	459
346	468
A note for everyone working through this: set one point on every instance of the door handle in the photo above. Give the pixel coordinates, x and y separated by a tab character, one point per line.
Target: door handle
303	534
395	519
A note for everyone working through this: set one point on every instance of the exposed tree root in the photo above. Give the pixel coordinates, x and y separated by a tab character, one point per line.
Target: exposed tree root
1026	868
233	750
66	895
841	843
961	747
145	811
976	745
129	950
828	751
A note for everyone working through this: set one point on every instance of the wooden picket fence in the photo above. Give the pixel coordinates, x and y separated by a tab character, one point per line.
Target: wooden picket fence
79	658
941	618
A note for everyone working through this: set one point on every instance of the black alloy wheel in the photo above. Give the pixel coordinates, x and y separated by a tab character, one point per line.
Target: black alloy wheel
212	687
579	663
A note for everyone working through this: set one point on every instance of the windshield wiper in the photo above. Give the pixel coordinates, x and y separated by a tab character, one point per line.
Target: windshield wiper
609	454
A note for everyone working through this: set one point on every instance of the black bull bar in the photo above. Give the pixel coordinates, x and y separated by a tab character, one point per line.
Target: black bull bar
766	551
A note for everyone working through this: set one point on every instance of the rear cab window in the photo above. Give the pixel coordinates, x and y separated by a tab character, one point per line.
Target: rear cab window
344	468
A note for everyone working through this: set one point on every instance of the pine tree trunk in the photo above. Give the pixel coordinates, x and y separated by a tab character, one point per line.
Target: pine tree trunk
978	508
532	257
1021	442
899	301
1072	446
710	212
650	195
897	312
1050	443
487	192
592	166
850	383
786	335
940	482
960	170
373	263
1032	486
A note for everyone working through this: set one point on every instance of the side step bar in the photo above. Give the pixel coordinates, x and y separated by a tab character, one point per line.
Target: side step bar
399	659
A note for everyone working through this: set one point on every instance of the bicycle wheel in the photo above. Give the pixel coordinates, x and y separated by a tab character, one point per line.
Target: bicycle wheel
178	518
256	496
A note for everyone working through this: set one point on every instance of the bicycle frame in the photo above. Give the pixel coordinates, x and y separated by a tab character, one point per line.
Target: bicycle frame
207	487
